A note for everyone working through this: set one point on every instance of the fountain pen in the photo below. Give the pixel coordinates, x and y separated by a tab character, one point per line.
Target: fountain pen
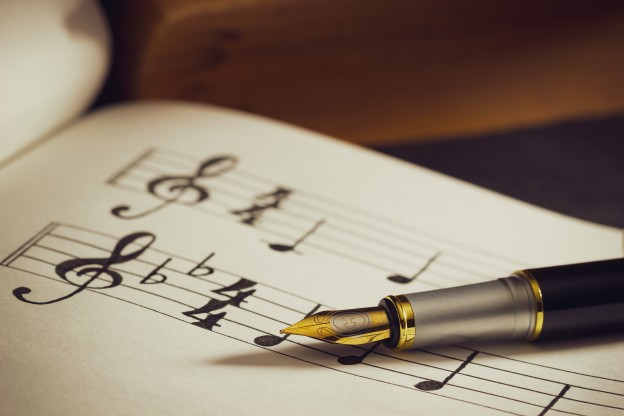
532	304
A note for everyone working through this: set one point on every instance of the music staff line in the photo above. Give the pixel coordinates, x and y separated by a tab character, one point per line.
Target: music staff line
545	366
311	220
386	220
329	212
48	231
167	298
164	152
243	199
120	269
411	375
510	372
129	166
22	248
322	212
338	356
185	274
494	394
170	269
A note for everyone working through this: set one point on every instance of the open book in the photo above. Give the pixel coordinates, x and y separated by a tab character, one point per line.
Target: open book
151	252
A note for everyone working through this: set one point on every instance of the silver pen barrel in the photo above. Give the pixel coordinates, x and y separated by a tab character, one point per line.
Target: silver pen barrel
505	308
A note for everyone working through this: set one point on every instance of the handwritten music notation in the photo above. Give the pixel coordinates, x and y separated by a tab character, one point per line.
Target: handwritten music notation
294	220
130	268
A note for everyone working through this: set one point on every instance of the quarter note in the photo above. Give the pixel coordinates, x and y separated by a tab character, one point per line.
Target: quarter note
182	189
273	340
357	359
399	278
269	340
293	246
430	385
93	268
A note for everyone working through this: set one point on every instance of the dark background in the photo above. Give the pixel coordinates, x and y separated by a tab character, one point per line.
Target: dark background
576	168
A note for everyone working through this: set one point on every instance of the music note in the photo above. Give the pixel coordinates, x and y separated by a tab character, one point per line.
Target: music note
357	359
273	340
430	385
399	278
182	189
95	268
293	246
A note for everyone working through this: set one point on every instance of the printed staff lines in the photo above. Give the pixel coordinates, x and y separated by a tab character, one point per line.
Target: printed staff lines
167	298
329	212
167	153
484	392
389	221
308	219
48	231
532	364
167	268
119	269
473	363
122	270
545	366
99	292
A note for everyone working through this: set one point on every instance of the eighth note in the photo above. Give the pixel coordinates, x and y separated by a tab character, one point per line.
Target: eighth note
430	385
171	189
95	268
293	246
399	278
273	340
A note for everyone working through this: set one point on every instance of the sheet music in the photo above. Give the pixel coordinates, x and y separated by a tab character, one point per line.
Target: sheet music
151	253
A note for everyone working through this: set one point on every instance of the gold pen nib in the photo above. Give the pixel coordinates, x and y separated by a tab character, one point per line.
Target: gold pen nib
350	326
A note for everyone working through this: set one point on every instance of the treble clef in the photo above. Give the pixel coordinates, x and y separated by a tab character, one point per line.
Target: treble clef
182	189
93	268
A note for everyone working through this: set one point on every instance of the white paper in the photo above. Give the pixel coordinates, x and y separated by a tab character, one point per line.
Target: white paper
124	345
54	56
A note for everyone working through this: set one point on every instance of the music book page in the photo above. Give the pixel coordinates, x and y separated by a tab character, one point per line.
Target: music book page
151	253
